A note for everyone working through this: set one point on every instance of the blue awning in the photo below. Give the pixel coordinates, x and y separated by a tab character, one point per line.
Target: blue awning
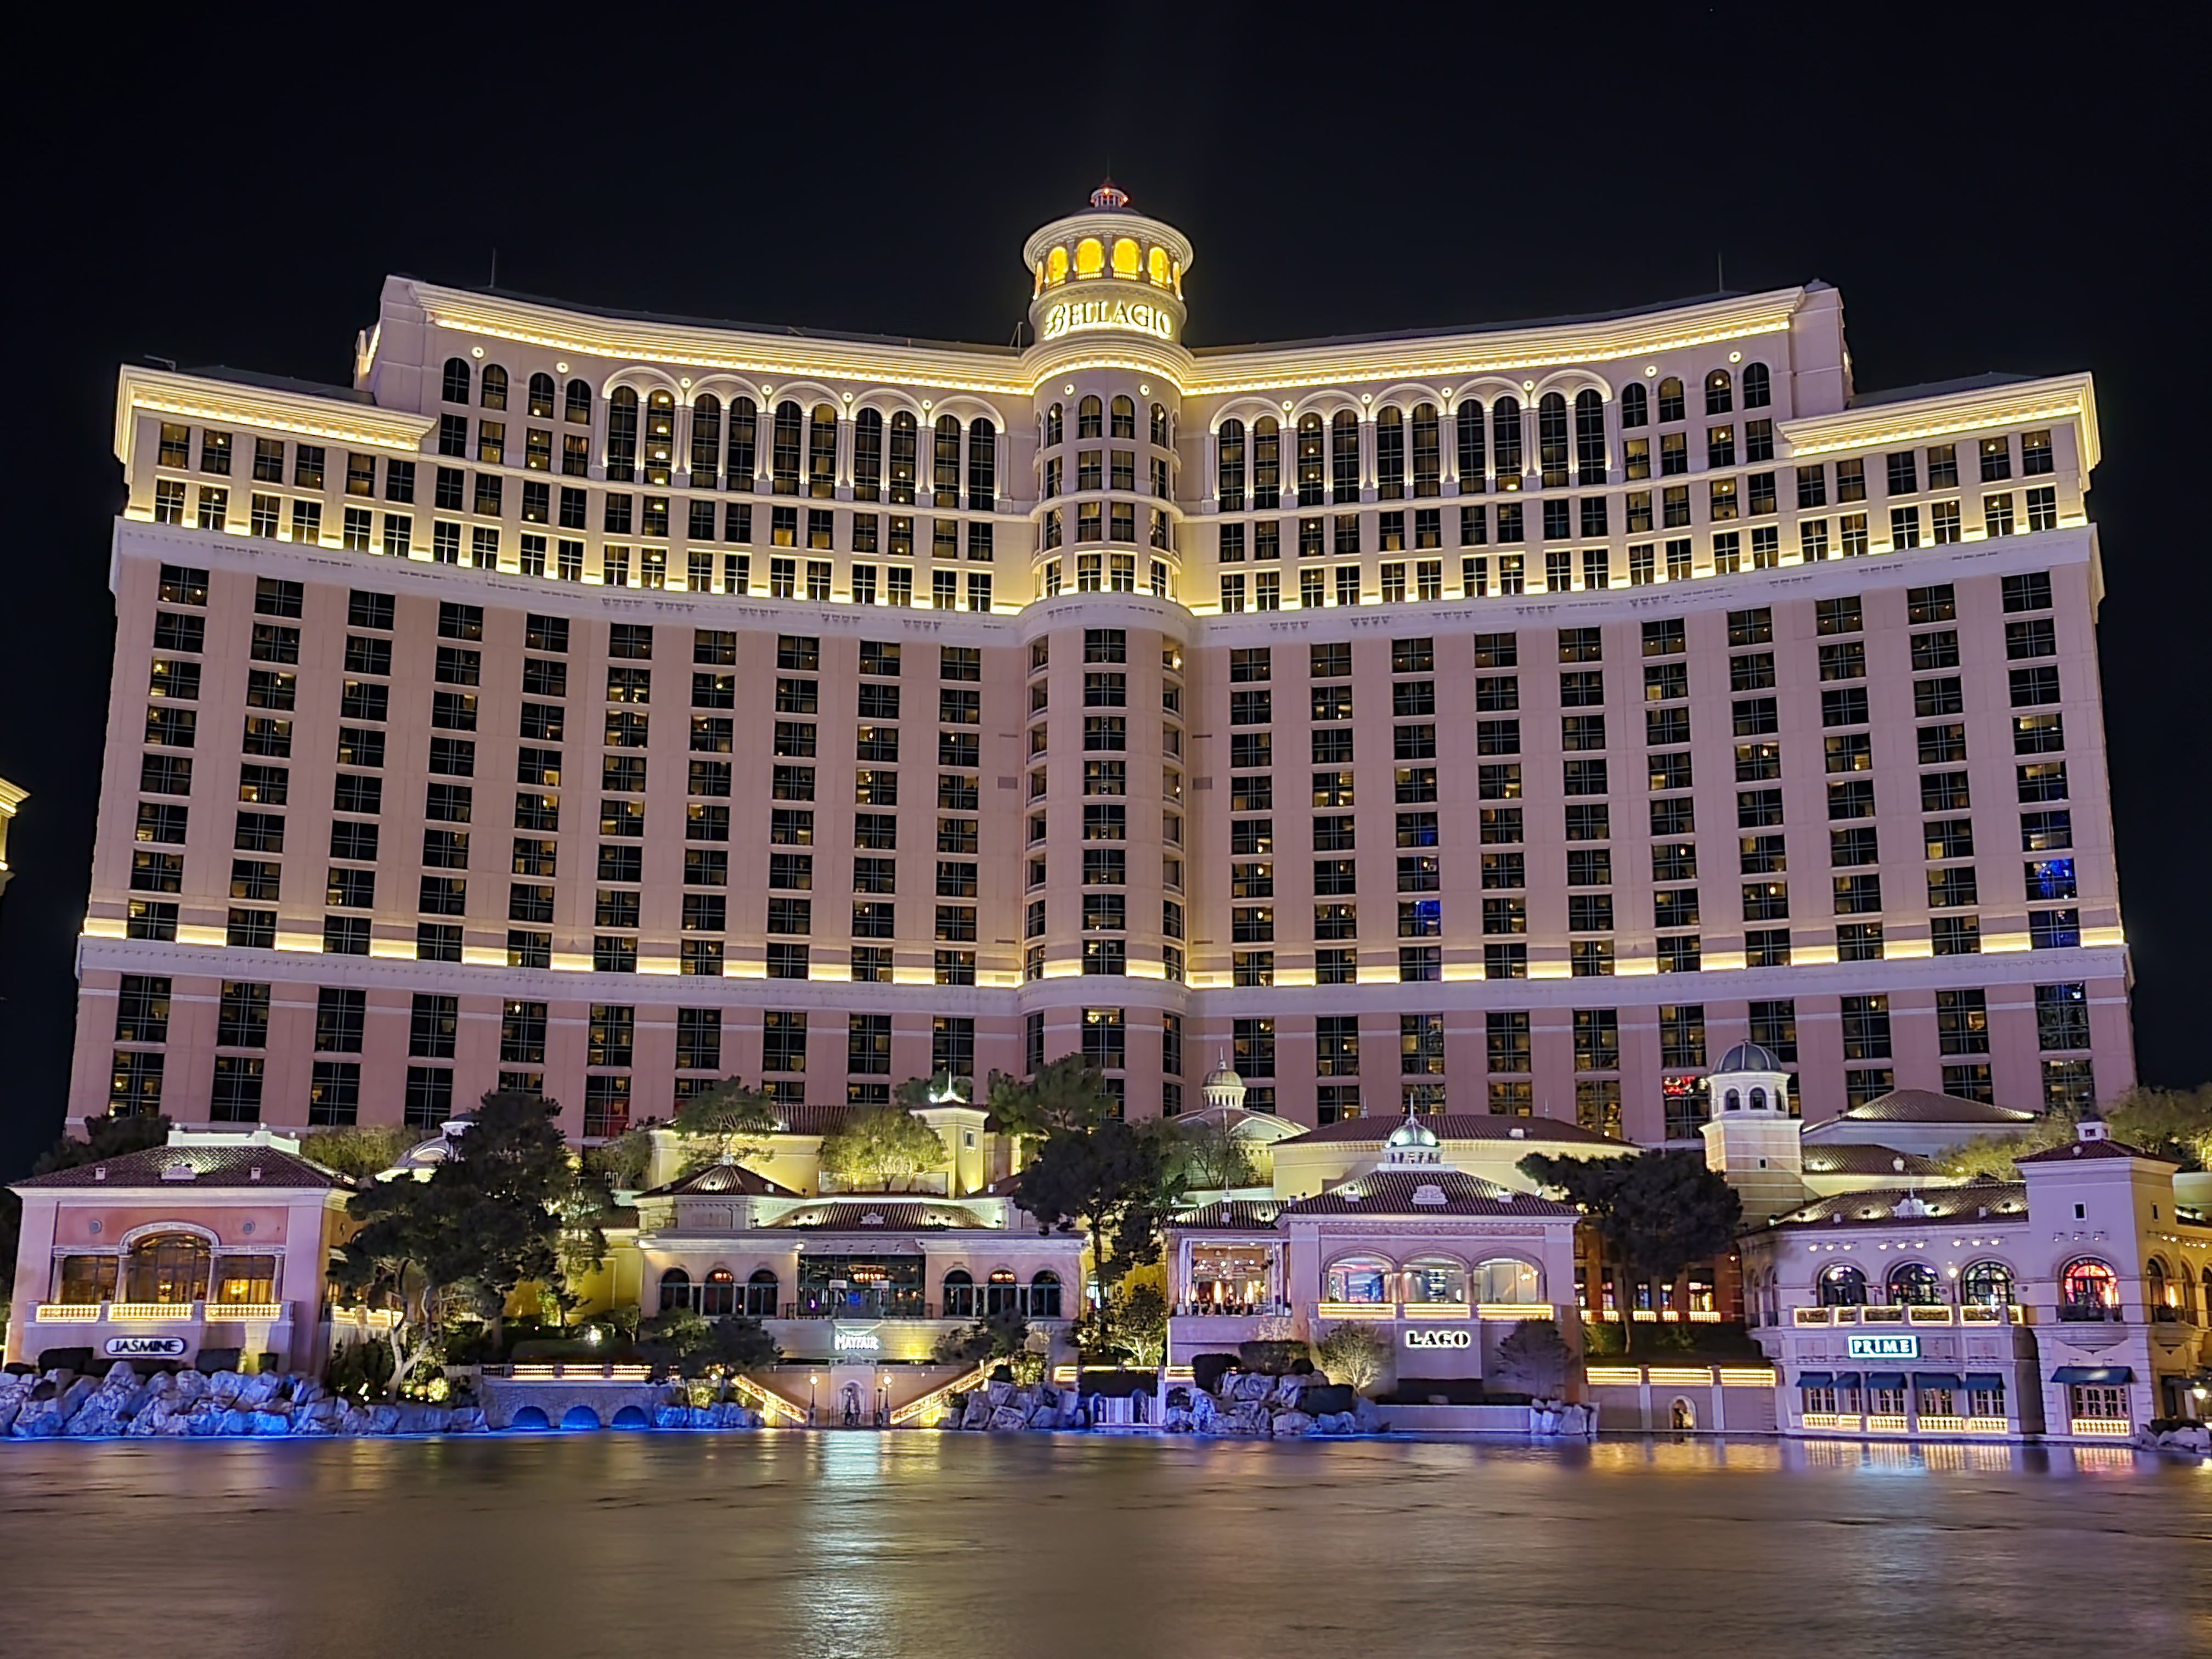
1985	1381
1847	1379
2106	1374
1934	1380
1885	1379
1817	1380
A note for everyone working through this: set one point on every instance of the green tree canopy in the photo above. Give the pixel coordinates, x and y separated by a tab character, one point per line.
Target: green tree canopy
1112	1181
726	1124
2169	1123
1065	1095
881	1149
1208	1155
1659	1211
487	1219
361	1149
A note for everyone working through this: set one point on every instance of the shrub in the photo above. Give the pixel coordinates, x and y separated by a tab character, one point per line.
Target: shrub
1602	1337
1354	1352
1270	1359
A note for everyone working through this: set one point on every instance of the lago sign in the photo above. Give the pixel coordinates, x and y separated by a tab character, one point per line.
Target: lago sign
1882	1347
1418	1337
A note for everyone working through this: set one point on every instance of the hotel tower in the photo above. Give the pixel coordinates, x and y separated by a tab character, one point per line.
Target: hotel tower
1501	719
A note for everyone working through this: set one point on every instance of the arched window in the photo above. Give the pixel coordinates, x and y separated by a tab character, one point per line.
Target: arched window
1635	405
1502	1279
1312	461
1671	405
1155	266
1056	266
1757	389
495	387
959	1294
167	1267
905	461
457	380
868	455
541	396
1436	1279
1090	419
705	440
1344	457
1428	452
744	442
1915	1282
1552	439
2156	1293
1758	1100
674	1290
244	1279
1732	1102
1718	387
622	435
1267	462
944	461
1506	442
1468	420
1162	438
1589	440
1125	418
2088	1289
579	411
659	438
1044	1295
719	1296
982	465
786	433
822	453
1002	1292
1089	257
1229	466
1986	1284
1126	256
1842	1285
1052	426
1361	1278
1389	455
761	1292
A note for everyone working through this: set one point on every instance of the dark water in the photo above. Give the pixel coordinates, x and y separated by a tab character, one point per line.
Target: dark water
918	1544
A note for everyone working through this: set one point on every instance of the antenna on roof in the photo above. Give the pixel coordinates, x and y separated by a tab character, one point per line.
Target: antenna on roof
495	270
1720	272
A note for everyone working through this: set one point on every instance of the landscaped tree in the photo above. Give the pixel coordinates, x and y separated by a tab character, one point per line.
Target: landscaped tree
1141	1321
2173	1123
994	1336
362	1150
873	1149
1208	1156
1658	1212
1990	1157
1353	1352
1113	1183
486	1220
1065	1095
726	1124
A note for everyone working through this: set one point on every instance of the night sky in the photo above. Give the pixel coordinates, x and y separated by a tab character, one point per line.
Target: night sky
1990	189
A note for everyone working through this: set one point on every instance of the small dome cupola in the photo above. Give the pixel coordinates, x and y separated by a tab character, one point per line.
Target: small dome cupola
1412	1144
1222	1087
1749	1079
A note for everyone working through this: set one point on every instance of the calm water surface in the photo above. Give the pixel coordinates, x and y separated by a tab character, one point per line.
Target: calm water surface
840	1546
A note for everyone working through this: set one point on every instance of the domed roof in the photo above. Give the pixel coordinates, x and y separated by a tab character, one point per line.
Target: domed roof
1749	1057
1411	1133
1223	1076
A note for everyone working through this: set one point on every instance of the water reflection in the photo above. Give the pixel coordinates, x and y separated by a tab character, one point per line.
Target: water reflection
919	1544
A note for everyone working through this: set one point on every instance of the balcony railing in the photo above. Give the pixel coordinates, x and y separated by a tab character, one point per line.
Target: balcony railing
1940	1313
1231	1310
159	1312
1378	1311
2118	1427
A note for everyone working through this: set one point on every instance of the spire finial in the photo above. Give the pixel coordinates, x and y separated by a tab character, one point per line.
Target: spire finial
1106	196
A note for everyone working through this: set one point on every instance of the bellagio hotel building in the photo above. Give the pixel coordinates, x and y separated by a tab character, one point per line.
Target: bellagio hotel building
1503	719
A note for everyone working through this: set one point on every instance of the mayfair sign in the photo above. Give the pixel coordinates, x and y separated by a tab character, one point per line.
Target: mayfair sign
1882	1347
845	1340
1079	316
1419	1338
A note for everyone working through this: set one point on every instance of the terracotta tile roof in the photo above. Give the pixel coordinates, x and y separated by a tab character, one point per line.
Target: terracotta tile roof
892	1215
1458	1126
812	1119
2074	1149
723	1178
210	1166
1926	1106
1946	1206
1424	1192
1237	1212
1852	1160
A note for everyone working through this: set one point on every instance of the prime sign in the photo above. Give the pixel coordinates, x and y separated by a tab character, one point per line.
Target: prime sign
1079	316
1882	1347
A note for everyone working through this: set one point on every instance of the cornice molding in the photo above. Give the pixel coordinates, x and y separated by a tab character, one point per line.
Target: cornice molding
197	397
2058	397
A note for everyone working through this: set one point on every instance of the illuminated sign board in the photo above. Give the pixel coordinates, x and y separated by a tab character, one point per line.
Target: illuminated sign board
145	1347
845	1341
1883	1347
1079	316
1418	1337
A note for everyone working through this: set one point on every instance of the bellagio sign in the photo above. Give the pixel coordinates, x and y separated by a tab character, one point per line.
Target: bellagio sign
1136	316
